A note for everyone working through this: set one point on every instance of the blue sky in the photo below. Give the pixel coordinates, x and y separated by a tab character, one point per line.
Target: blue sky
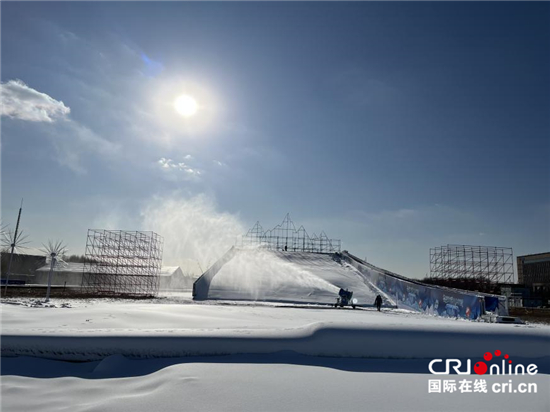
394	126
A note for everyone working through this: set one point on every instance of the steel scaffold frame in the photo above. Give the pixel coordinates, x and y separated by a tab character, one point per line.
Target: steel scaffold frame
122	263
286	234
489	264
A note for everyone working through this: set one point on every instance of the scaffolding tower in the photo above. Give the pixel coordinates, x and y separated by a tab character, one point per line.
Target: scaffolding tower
483	264
122	263
285	236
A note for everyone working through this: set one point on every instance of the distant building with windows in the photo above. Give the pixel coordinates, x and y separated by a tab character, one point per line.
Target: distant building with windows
534	275
22	268
534	271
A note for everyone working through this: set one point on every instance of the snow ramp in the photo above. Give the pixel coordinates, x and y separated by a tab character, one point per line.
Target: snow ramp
302	277
290	277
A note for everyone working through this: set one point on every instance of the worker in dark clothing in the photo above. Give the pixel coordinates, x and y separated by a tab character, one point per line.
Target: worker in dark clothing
378	302
286	248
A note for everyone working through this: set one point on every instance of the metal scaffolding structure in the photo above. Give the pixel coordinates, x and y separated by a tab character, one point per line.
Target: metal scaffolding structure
122	263
484	264
285	236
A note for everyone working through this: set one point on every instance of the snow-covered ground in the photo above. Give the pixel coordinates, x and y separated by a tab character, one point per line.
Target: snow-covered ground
151	355
78	330
177	311
246	383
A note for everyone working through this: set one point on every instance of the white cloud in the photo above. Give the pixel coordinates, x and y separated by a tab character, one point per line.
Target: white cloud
20	101
70	138
187	172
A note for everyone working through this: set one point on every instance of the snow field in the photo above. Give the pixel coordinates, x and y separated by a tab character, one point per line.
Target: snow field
142	356
144	330
246	383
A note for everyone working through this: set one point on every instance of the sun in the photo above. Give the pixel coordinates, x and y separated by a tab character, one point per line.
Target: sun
186	105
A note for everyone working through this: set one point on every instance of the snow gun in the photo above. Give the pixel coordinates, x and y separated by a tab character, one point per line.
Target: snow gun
344	299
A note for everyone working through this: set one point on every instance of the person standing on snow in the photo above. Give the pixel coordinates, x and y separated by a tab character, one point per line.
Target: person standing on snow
378	302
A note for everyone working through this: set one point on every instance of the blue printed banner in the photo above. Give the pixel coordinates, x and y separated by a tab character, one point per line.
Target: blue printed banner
430	299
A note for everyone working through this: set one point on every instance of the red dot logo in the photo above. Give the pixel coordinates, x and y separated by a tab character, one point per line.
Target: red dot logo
488	356
497	353
480	368
505	356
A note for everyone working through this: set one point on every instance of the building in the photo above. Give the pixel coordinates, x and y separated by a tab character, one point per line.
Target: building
70	275
534	274
173	278
534	271
23	267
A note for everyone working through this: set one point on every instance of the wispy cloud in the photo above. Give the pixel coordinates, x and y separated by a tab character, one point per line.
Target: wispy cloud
187	172
70	138
73	140
20	101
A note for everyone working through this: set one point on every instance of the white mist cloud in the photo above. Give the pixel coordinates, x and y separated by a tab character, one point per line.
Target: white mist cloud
256	274
22	102
193	229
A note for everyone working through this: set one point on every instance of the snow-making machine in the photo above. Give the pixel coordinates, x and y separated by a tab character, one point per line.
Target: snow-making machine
344	299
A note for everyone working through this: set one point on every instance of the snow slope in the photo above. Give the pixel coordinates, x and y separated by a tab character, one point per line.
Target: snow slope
289	277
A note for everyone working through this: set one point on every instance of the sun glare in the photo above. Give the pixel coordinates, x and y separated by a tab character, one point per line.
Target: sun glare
186	106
